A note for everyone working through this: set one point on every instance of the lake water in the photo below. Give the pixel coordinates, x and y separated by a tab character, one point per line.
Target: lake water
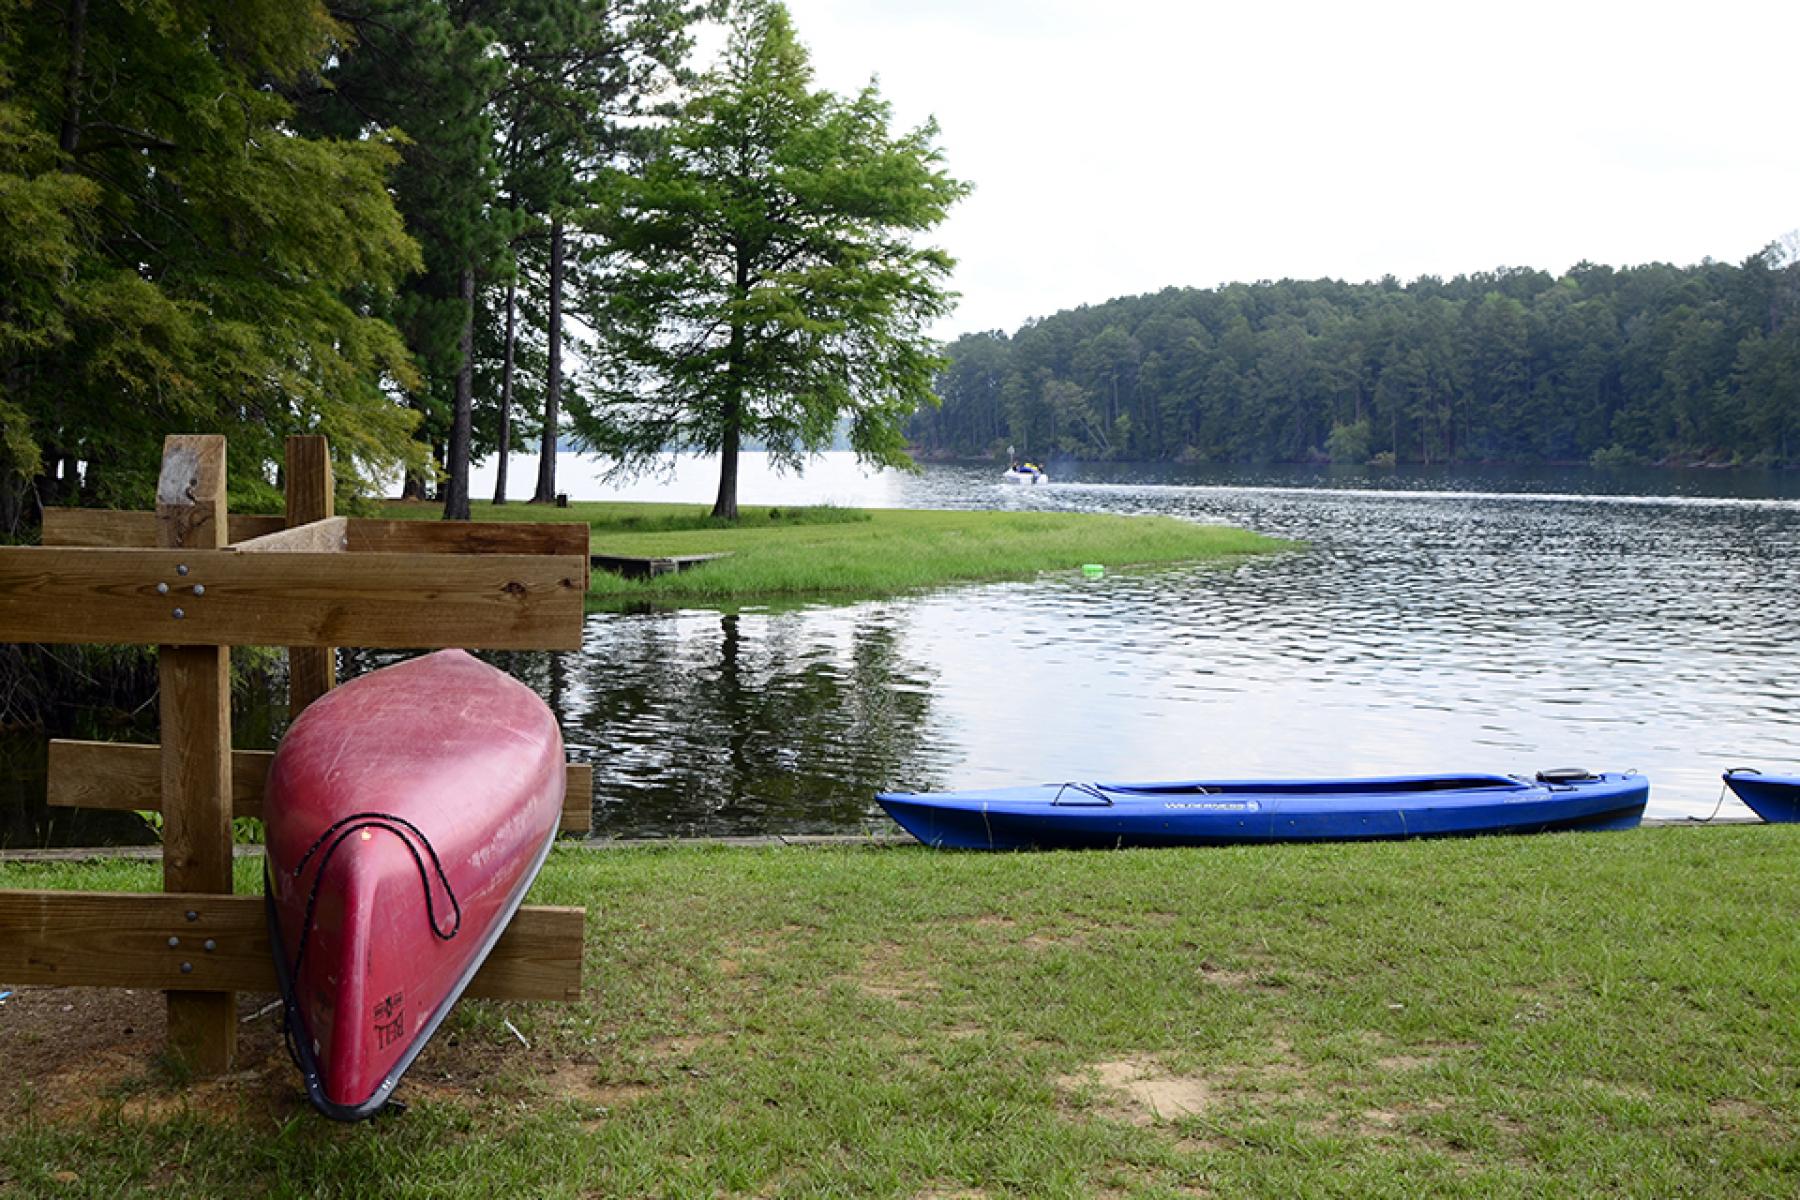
1436	621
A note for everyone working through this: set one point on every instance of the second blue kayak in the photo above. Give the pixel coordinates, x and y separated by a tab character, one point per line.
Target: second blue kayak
1225	812
1774	798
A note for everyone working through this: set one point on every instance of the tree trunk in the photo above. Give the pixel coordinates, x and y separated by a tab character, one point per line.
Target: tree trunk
546	480
456	486
726	506
506	390
70	135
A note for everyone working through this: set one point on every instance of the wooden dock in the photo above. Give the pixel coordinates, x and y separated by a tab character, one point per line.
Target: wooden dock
632	567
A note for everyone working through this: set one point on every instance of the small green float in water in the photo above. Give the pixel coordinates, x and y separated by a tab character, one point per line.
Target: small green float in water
1092	570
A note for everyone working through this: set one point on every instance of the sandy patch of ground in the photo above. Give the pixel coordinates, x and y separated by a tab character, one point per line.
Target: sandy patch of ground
884	976
1142	1091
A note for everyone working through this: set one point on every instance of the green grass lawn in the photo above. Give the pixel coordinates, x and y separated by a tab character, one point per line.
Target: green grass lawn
836	552
1564	1015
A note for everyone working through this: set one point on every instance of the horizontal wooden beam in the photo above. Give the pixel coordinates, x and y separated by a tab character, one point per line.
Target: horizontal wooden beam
224	598
468	537
110	527
142	939
100	527
323	536
128	776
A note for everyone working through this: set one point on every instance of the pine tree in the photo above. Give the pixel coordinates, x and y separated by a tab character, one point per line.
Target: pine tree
764	282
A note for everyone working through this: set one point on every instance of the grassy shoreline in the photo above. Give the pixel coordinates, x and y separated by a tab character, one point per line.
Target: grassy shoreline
796	553
1559	1015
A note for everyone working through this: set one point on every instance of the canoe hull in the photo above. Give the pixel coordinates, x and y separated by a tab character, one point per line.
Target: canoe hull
1774	798
408	812
1234	812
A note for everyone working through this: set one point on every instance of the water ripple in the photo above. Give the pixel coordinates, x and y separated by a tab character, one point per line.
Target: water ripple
1467	622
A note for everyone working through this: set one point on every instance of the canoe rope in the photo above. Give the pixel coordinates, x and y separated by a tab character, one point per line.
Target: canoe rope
355	822
375	820
1717	805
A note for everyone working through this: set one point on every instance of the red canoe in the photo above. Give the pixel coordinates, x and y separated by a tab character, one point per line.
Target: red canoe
407	813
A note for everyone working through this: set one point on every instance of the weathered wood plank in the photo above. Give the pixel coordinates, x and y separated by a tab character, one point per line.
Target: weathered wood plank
563	538
315	537
122	939
98	528
127	776
468	537
194	690
425	601
307	482
578	799
311	496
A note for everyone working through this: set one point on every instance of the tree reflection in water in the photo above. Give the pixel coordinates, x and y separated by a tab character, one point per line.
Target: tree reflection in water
730	724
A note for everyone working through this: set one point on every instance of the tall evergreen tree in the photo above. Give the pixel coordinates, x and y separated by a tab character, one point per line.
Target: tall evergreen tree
580	75
427	68
174	255
764	280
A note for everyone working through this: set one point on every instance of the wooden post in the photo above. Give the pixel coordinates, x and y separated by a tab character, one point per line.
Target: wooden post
196	737
312	670
193	581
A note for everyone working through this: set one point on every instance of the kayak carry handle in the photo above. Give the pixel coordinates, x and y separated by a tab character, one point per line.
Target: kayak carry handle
1098	797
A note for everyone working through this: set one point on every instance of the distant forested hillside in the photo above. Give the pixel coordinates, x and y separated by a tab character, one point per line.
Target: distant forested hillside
1641	364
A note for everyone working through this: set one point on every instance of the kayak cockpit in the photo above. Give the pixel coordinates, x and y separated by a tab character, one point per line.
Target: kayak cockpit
1359	788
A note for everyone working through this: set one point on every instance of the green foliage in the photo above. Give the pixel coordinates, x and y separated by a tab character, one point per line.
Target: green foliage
763	281
509	109
174	256
1349	443
1644	364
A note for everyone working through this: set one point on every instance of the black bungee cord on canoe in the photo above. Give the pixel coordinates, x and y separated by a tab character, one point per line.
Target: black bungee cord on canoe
343	828
375	820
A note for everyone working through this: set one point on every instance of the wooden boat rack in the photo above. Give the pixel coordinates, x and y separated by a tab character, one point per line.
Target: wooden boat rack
194	580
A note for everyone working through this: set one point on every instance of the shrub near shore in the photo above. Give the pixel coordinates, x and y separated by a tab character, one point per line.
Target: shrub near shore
821	551
1560	1015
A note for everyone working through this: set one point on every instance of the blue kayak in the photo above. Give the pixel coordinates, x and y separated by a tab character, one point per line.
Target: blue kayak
1225	812
1774	798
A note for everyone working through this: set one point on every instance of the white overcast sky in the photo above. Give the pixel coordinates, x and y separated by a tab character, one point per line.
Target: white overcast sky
1123	146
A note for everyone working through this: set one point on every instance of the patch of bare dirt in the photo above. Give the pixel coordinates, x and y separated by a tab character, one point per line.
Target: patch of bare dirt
1142	1091
77	1052
884	976
1373	1122
1622	1091
1212	973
